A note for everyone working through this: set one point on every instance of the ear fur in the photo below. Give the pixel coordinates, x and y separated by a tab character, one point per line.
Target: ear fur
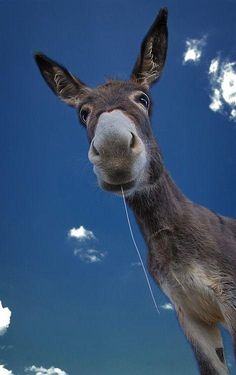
151	60
67	87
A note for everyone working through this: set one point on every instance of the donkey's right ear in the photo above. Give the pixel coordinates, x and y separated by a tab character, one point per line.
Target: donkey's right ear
60	80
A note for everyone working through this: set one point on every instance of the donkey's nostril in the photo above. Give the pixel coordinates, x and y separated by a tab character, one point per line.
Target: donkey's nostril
95	151
133	141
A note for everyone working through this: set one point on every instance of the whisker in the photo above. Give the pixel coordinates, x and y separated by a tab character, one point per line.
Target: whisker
138	252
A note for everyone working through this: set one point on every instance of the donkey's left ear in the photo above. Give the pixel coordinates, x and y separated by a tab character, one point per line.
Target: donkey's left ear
67	87
152	58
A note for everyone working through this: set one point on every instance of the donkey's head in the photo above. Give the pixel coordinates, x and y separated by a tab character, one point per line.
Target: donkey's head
117	114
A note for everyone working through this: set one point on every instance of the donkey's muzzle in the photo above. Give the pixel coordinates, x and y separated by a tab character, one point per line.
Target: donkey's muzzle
116	151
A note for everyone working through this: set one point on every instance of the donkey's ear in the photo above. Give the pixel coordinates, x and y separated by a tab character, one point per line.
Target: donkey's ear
63	83
152	57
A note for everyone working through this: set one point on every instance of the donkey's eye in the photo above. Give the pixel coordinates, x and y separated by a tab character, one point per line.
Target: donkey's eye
144	100
84	115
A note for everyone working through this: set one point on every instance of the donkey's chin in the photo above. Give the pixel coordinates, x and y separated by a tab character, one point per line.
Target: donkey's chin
115	184
116	188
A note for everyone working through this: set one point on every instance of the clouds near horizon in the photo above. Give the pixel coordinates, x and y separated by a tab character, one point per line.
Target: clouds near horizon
44	371
5	318
4	371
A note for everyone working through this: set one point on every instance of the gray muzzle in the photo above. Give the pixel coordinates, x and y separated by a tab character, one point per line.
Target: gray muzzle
116	151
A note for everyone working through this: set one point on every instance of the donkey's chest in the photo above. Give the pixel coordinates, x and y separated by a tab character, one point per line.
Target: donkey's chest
187	279
193	290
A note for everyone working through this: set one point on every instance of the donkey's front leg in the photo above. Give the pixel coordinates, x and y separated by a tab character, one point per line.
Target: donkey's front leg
206	342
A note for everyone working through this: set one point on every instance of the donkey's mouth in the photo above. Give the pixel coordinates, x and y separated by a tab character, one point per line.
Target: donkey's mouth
116	188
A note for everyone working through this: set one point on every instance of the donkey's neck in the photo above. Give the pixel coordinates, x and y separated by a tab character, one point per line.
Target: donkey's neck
159	206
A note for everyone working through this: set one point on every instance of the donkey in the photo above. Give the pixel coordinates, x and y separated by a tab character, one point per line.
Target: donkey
191	250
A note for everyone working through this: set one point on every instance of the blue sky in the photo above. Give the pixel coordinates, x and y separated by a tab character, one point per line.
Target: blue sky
68	310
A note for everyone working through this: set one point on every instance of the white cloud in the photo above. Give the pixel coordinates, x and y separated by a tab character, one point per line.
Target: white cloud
214	66
216	102
86	254
222	75
4	371
5	317
136	264
233	114
167	306
194	48
6	347
81	233
90	255
43	371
